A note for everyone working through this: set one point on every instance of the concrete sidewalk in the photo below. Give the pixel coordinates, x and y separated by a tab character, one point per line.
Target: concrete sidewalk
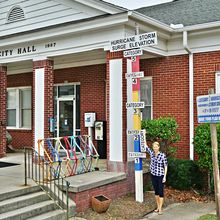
13	177
184	211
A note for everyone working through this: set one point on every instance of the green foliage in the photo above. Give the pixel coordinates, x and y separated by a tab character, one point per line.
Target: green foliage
208	217
203	147
184	174
148	186
163	130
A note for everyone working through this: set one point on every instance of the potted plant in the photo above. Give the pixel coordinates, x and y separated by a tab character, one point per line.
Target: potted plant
100	203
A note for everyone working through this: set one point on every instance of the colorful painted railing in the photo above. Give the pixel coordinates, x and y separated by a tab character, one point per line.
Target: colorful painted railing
69	155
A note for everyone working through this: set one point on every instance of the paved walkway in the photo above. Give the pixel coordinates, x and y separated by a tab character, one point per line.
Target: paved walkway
12	177
184	211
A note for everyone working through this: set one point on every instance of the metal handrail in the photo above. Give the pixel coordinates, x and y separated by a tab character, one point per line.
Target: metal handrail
49	179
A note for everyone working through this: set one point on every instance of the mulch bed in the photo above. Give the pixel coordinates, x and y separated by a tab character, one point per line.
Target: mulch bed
127	208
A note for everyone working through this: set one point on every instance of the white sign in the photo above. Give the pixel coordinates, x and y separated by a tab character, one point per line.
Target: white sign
142	140
134	81
133	132
133	53
89	119
136	160
136	155
134	75
208	108
132	42
135	105
133	59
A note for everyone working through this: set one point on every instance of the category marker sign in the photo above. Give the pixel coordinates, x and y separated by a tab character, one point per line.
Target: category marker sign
135	105
133	53
136	155
134	75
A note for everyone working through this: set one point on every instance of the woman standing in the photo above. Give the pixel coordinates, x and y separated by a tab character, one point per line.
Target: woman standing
158	169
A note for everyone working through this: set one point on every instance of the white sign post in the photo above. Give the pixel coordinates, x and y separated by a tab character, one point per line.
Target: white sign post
208	107
90	118
132	47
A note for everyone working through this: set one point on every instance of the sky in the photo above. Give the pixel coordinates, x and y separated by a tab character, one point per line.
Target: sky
133	4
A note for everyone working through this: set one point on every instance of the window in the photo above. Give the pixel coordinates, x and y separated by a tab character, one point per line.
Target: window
146	97
19	108
217	83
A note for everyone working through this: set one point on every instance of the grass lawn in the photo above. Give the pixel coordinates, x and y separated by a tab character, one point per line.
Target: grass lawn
208	217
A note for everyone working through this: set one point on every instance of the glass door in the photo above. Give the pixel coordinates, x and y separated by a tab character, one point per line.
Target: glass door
65	117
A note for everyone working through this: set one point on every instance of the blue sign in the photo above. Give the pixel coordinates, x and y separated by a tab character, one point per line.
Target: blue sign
137	161
208	108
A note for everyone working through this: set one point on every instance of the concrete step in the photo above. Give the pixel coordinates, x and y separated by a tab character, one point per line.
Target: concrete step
52	215
22	201
29	211
19	192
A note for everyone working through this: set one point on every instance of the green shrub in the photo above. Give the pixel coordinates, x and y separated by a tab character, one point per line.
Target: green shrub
203	146
163	130
184	174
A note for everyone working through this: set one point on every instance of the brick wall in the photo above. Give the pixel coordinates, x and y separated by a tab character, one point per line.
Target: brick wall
92	89
206	66
171	93
171	88
20	138
112	191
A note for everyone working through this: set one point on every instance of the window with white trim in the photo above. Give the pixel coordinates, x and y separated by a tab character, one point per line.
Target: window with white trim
217	82
146	97
19	108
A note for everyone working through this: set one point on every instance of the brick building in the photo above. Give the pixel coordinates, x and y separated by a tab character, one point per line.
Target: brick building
55	60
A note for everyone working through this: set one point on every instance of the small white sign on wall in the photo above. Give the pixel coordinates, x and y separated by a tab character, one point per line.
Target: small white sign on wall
90	118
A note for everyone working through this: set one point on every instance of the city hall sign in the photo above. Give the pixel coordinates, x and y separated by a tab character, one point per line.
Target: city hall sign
25	50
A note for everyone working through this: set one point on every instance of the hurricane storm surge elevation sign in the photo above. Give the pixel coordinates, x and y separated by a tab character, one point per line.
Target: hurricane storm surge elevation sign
132	42
208	107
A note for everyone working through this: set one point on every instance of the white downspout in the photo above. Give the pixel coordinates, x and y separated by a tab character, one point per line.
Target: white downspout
191	94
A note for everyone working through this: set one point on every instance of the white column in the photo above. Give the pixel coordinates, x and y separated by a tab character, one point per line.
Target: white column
191	106
39	107
130	111
115	108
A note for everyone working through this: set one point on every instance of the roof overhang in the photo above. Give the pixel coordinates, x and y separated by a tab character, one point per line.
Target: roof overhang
103	6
